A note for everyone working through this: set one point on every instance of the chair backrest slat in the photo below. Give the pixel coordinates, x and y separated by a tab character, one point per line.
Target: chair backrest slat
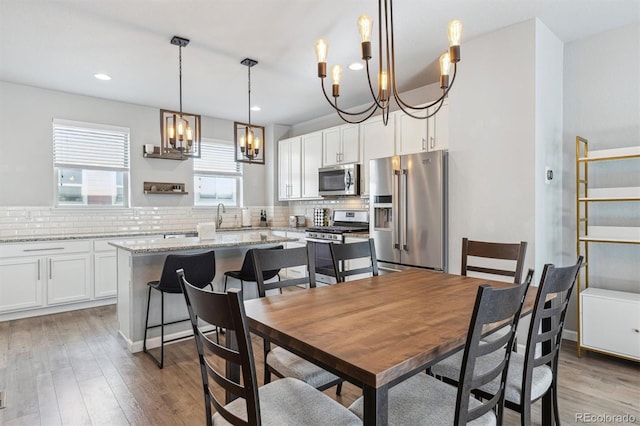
491	250
223	310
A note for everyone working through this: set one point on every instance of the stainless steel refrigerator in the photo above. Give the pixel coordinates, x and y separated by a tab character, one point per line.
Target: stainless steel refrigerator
408	210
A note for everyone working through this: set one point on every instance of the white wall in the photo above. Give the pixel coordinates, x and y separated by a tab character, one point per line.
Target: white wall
548	148
26	151
602	104
492	142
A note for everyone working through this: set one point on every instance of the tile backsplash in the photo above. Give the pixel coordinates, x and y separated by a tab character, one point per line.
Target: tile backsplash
46	221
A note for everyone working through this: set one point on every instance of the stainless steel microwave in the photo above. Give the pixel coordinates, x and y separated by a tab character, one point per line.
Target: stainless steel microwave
339	180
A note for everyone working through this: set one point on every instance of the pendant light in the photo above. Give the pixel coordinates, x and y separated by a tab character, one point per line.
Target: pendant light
386	78
180	130
249	138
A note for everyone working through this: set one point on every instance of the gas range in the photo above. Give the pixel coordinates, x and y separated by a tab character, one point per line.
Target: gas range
344	222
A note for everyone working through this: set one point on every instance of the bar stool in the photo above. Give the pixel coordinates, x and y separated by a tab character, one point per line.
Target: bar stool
247	271
199	269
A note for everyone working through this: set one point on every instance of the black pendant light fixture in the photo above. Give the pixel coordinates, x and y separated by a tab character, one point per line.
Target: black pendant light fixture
387	87
249	138
180	130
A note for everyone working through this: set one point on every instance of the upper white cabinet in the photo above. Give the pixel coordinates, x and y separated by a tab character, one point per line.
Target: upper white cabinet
340	145
289	168
438	128
411	134
377	141
311	162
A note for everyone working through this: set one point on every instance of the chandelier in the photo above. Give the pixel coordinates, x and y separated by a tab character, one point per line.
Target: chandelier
249	139
180	130
387	87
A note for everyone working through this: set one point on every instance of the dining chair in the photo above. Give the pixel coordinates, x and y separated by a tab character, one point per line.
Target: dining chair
424	400
511	253
534	374
341	253
279	361
199	268
247	271
284	402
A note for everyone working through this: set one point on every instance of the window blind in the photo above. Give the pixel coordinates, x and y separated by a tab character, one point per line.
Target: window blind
217	157
89	145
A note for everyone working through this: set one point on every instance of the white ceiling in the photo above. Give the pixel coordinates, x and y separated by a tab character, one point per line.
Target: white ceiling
60	44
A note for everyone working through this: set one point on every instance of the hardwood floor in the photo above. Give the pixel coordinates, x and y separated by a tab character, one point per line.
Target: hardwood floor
73	369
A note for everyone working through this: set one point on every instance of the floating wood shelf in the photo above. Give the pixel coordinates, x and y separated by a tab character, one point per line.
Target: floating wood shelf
164	188
177	155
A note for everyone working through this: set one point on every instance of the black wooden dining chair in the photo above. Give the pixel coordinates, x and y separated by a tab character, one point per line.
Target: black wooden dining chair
199	268
247	271
279	361
343	253
424	400
484	252
534	374
230	367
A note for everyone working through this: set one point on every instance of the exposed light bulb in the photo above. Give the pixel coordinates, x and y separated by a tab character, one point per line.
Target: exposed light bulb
336	74
445	64
455	32
384	81
365	27
322	49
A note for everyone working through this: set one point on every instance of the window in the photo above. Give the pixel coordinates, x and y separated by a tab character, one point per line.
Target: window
217	178
91	164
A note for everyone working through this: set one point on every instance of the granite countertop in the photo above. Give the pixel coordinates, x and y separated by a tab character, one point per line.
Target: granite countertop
221	240
122	234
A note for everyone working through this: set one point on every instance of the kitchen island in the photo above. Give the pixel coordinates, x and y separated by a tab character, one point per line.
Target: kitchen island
141	261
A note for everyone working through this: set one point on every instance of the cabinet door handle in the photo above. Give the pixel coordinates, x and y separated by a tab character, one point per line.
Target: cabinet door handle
337	157
50	268
424	143
637	330
44	249
433	142
38	269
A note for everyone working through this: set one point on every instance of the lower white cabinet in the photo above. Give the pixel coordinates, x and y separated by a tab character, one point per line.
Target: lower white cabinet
105	276
20	283
610	321
68	278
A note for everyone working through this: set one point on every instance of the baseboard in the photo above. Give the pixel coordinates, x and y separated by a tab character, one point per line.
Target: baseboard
154	342
570	335
28	313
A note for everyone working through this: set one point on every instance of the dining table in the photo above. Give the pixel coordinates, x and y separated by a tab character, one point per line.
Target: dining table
374	332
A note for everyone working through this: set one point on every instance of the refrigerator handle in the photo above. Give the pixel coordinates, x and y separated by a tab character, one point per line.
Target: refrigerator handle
405	215
396	209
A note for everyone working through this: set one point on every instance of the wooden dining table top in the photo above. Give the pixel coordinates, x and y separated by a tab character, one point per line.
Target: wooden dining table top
377	330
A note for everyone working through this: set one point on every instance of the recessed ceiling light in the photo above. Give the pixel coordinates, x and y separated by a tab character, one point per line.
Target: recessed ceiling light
356	66
256	108
101	76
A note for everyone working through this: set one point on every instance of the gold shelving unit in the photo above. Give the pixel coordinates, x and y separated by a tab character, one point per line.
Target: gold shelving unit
586	234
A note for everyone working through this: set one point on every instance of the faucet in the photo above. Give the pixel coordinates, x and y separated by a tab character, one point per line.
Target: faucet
219	216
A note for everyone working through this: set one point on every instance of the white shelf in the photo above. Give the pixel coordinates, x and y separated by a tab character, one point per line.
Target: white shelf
611	294
612	234
612	154
631	193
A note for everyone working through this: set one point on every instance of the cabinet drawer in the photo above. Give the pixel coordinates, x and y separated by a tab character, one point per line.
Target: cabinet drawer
46	248
611	321
103	245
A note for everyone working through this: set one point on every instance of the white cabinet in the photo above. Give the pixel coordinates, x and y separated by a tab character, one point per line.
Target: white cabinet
311	162
38	274
68	278
411	134
611	322
105	277
289	169
20	283
377	141
438	128
340	145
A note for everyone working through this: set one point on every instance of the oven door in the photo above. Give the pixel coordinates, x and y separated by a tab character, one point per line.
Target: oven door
324	264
